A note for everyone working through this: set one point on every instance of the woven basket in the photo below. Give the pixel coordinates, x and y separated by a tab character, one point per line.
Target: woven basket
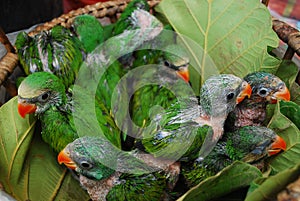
111	10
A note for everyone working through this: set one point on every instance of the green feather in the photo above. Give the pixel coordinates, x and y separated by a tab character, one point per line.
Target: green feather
169	85
248	143
125	21
89	31
180	122
57	51
92	151
55	112
146	187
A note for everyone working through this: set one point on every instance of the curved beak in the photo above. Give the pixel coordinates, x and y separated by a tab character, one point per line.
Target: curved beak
283	94
64	157
184	74
277	146
25	108
246	92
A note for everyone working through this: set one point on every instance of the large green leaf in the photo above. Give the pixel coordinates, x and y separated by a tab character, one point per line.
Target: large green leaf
270	187
29	170
233	33
233	177
284	127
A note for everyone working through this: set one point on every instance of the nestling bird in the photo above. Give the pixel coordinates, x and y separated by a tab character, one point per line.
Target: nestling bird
125	21
251	144
57	51
44	94
89	31
104	172
178	133
266	89
167	82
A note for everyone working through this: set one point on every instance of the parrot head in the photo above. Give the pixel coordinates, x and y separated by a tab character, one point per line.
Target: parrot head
256	142
176	59
38	92
83	155
221	93
268	86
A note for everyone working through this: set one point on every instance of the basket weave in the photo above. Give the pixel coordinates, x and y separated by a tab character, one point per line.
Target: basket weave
112	9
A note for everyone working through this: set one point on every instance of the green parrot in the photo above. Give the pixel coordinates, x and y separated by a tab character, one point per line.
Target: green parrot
103	171
148	53
125	21
57	51
266	89
89	31
45	95
167	82
177	134
146	26
144	56
251	144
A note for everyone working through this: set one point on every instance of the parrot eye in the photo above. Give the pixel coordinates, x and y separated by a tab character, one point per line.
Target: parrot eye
86	164
263	92
281	86
167	64
230	96
44	97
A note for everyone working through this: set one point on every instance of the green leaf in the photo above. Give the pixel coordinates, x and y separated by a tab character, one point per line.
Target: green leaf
270	187
231	178
234	35
287	72
15	137
292	111
291	134
29	170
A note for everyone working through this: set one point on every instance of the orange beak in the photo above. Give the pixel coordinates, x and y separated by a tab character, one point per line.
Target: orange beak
64	157
26	108
283	94
246	92
277	146
184	74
